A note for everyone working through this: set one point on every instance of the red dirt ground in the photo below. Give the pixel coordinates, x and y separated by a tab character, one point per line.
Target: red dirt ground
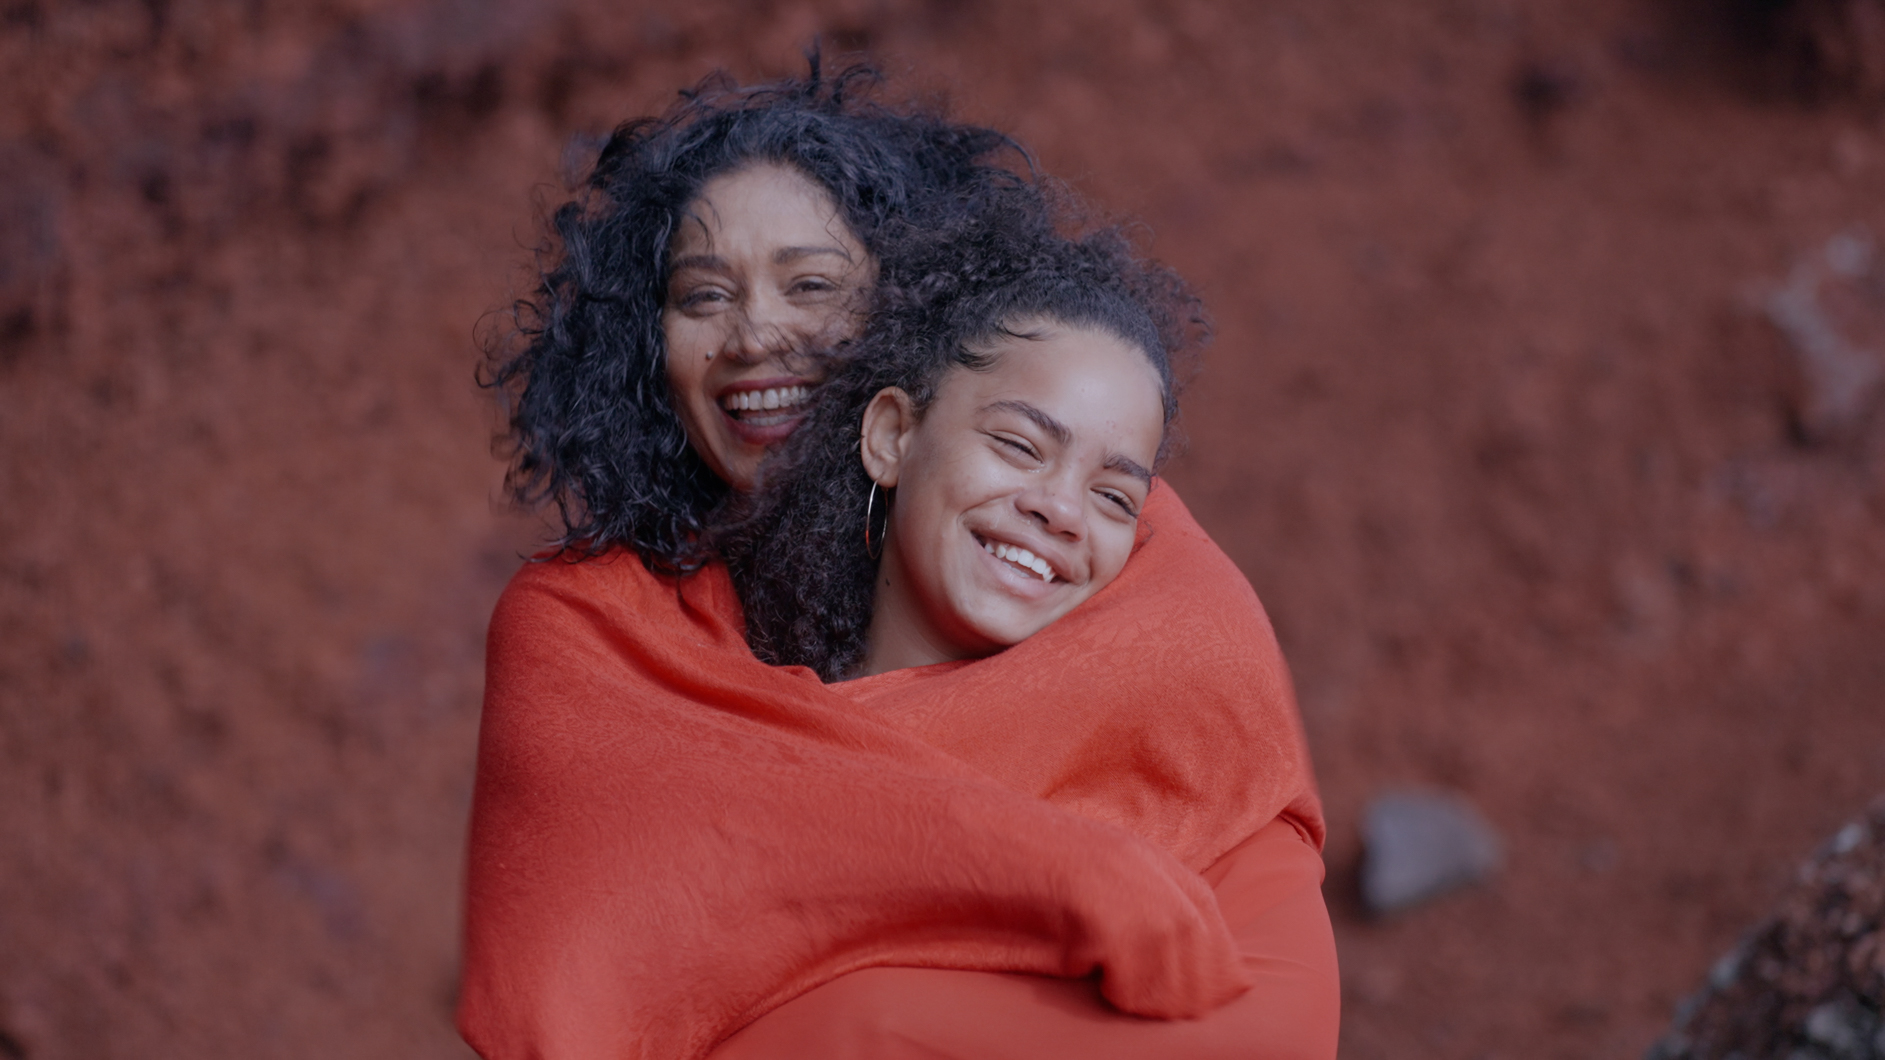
1542	503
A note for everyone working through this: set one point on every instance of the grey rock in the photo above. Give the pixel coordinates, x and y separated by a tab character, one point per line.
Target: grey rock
1842	1027
1722	974
1848	838
1421	844
1668	1047
1841	377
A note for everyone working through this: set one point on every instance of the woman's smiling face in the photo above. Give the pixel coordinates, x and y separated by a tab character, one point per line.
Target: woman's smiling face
1018	492
761	268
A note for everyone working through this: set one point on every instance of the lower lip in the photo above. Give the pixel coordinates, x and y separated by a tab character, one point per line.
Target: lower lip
769	435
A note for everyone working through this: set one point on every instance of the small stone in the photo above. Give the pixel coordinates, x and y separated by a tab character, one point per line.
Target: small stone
1670	1047
1418	845
1843	1028
1850	253
1724	972
1841	377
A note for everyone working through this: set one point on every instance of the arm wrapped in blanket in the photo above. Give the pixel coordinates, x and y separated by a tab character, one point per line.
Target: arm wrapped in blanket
670	838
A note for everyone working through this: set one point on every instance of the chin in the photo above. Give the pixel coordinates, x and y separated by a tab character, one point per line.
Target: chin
1005	631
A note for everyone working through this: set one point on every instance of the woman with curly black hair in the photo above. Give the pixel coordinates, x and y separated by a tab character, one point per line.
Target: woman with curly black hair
704	254
671	839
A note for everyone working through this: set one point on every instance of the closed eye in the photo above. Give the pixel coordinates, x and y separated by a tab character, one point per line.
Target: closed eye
811	285
1124	502
701	296
1016	444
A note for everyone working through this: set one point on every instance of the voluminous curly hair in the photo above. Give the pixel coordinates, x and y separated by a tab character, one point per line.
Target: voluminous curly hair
795	546
582	368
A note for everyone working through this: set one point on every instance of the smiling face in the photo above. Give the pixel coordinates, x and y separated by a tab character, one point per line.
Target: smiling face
761	268
1018	492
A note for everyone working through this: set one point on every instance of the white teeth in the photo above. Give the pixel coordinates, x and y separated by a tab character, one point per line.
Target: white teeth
783	397
1021	557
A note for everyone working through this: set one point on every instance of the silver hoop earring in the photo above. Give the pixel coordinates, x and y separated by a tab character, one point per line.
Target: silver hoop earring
874	544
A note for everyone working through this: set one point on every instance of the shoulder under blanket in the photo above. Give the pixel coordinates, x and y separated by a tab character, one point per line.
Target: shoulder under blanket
670	838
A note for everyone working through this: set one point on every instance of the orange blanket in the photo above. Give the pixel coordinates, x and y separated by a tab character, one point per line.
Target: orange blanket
1269	887
670	839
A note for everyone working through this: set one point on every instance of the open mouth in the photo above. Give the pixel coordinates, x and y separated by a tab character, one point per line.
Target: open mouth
765	412
1018	557
768	407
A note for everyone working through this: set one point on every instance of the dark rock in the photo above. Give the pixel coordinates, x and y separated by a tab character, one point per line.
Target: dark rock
1808	983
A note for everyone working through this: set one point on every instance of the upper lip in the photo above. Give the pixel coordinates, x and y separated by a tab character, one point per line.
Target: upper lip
1055	562
744	385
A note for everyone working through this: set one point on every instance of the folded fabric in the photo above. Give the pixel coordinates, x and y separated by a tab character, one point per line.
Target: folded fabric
1269	888
670	839
1162	704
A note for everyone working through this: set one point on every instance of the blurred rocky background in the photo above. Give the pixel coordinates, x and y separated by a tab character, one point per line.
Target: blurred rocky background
1808	982
1544	415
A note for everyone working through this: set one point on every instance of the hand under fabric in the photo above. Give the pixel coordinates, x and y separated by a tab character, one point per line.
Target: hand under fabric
1270	890
1159	955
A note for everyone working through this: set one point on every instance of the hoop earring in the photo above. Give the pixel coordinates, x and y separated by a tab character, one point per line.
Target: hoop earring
874	544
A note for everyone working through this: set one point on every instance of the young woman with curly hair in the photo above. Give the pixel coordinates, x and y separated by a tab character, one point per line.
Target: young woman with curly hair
672	840
979	468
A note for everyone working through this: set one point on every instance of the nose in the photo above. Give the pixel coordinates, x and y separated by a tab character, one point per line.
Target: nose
1054	503
759	330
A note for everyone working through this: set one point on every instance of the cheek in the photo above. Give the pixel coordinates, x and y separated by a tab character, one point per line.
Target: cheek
686	368
1112	547
928	516
839	320
970	475
921	515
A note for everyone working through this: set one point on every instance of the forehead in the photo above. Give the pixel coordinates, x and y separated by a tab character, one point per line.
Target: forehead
1091	380
759	207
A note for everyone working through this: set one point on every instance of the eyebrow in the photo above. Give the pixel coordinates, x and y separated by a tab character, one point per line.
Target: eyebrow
698	261
787	255
1058	430
1122	463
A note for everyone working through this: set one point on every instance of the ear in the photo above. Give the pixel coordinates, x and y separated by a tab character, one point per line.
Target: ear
889	423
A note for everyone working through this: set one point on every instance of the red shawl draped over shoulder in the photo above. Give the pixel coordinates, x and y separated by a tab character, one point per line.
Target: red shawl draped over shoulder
670	839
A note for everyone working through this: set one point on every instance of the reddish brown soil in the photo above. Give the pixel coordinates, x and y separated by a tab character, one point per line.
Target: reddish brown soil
1541	503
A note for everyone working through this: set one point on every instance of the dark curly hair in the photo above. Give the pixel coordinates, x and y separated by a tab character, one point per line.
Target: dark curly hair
795	546
581	365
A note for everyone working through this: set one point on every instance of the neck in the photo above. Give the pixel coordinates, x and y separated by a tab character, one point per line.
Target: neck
900	634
